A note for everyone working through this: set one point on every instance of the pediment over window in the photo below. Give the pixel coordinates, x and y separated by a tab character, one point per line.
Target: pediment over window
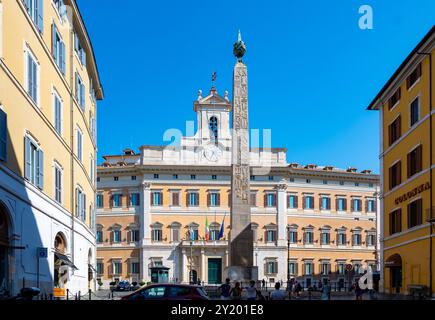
116	227
175	225
270	226
309	227
156	225
192	225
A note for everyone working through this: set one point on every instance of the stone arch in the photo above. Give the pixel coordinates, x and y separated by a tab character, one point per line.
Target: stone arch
5	243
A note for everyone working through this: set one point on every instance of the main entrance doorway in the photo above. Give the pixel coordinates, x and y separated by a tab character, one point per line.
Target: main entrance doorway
394	263
214	270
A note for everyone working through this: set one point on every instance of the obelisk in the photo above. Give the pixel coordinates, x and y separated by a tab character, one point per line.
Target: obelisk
241	236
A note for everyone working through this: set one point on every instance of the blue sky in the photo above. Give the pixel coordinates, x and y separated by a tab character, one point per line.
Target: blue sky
312	70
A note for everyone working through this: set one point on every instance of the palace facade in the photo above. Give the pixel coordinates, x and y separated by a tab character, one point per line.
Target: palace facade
405	105
153	207
49	87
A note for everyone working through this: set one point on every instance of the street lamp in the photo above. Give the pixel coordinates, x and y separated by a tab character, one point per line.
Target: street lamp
288	266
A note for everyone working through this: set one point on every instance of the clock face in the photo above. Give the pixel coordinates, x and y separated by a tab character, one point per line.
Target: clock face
212	153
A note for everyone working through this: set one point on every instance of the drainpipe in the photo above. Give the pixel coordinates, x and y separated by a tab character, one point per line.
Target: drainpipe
430	167
72	139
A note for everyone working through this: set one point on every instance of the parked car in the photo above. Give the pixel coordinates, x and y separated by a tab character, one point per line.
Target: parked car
123	285
168	291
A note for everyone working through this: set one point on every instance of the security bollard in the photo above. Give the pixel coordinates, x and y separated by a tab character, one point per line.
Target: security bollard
67	294
90	291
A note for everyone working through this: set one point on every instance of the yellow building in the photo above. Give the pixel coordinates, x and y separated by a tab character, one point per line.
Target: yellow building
405	104
49	87
153	207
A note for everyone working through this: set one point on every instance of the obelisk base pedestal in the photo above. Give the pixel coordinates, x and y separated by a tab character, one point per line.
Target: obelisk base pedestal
241	274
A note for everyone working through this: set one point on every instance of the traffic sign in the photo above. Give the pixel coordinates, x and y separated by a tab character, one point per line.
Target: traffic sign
349	267
42	253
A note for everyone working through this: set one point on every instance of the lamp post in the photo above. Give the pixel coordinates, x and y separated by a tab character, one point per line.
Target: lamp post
190	265
288	267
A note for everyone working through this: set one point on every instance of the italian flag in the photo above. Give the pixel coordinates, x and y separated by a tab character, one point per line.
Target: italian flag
207	229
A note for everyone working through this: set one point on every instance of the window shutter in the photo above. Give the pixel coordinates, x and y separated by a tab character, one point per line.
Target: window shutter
419	158
320	203
152	198
303	202
3	135
40	14
345	204
274	199
76	41
208	199
218	199
83	206
399	172
229	199
296	201
83	59
161	198
40	171
399	127
408	164
82	97
30	75
187	199
27	4
53	42
265	200
62	58
129	233
288	201
27	158
352	205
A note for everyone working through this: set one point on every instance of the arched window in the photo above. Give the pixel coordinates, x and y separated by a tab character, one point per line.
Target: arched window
213	126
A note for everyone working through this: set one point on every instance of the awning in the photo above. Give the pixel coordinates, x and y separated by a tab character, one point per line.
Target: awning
393	261
64	259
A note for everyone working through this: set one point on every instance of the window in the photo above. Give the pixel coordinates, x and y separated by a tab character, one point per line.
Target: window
80	92
308	268
370	185
291	180
115	178
3	136
193	177
99	236
371	205
292	268
117	267
308	202
35	9
341	182
34	168
325	237
341	267
58	49
292	201
413	77
156	198
175	195
135	267
135	235
308	237
133	178
214	177
134	199
293	235
371	239
271	235
157	234
396	221
270	178
271	267
79	145
341	238
60	6
92	126
394	130
58	184
253	199
356	184
156	175
57	114
116	236
414	112
415	159
175	176
341	204
356	239
193	233
193	199
100	267
325	181
91	169
175	233
32	77
356	205
213	199
98	179
325	203
308	180
325	268
394	99
79	49
214	234
395	174
270	200
116	200
99	200
80	204
252	178
415	214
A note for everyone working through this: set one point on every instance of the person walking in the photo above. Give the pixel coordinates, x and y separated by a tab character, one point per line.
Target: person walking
358	291
225	289
236	292
278	294
326	291
263	283
251	291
